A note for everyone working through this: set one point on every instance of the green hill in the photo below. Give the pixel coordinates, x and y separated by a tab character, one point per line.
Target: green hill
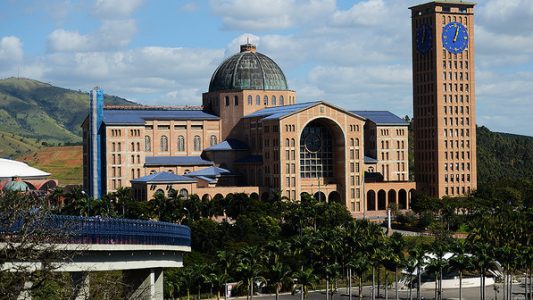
503	156
34	113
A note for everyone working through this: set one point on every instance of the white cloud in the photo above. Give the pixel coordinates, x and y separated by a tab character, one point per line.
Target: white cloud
62	40
113	9
10	49
262	15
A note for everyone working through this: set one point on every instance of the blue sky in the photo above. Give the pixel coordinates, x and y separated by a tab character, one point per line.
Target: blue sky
355	54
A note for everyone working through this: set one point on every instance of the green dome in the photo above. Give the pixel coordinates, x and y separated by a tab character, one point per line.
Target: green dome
16	186
248	70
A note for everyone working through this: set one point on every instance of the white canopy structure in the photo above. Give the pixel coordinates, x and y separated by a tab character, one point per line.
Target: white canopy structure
12	168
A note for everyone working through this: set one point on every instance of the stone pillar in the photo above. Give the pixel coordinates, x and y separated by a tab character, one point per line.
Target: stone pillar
143	284
80	285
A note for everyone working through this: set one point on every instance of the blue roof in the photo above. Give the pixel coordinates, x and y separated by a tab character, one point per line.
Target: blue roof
210	172
138	116
176	161
250	159
370	160
163	177
228	145
381	117
281	111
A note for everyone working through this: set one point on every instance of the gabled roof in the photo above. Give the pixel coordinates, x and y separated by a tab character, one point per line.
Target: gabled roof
138	116
163	177
381	117
228	145
176	161
211	172
279	112
370	160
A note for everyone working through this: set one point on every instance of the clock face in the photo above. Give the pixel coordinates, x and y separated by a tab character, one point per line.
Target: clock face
312	142
454	37
424	38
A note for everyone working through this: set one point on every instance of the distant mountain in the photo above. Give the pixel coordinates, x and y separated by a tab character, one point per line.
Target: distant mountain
33	113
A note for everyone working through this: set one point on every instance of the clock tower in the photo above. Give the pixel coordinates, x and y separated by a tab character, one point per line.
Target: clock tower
444	102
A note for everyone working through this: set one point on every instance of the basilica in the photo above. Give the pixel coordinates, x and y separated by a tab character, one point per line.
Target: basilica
250	135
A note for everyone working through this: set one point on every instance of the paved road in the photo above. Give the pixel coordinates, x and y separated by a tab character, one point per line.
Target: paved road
468	294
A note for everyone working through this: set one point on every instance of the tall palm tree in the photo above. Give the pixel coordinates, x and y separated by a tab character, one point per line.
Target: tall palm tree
460	261
250	266
418	254
306	279
279	274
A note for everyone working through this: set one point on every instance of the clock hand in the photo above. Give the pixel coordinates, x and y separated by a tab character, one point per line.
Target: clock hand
456	33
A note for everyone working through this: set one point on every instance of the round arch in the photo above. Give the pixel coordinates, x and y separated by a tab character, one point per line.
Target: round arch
218	197
320	196
402	199
322	144
254	196
50	184
184	193
392	197
371	200
335	197
206	197
412	194
382	200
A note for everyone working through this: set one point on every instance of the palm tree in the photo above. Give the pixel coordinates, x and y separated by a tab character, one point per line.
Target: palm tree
279	273
418	254
306	279
460	261
250	266
359	263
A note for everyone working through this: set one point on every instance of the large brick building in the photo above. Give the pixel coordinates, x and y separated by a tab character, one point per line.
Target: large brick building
250	134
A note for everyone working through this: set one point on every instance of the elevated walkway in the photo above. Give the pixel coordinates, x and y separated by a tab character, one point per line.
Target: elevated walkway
139	248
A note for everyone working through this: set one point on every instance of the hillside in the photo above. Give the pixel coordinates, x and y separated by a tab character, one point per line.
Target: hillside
40	113
503	156
64	163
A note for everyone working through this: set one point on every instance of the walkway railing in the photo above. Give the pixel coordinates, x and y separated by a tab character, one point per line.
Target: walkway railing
96	230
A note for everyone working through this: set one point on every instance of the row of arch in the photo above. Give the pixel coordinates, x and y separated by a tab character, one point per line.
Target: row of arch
382	199
273	100
163	145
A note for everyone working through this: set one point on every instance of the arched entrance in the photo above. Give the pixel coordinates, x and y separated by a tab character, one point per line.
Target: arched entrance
382	200
392	198
254	196
320	196
371	200
322	157
334	197
402	199
206	198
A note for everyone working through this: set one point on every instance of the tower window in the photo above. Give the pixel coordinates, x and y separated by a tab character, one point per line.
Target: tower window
236	100
250	99
257	100
265	100
281	100
147	143
227	100
213	140
274	102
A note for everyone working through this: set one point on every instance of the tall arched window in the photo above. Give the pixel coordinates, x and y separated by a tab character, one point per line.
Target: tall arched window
147	144
250	99
265	100
197	143
213	140
164	143
281	100
273	100
181	143
257	100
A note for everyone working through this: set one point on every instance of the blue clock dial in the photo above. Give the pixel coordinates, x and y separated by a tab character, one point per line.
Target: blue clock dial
454	37
424	38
